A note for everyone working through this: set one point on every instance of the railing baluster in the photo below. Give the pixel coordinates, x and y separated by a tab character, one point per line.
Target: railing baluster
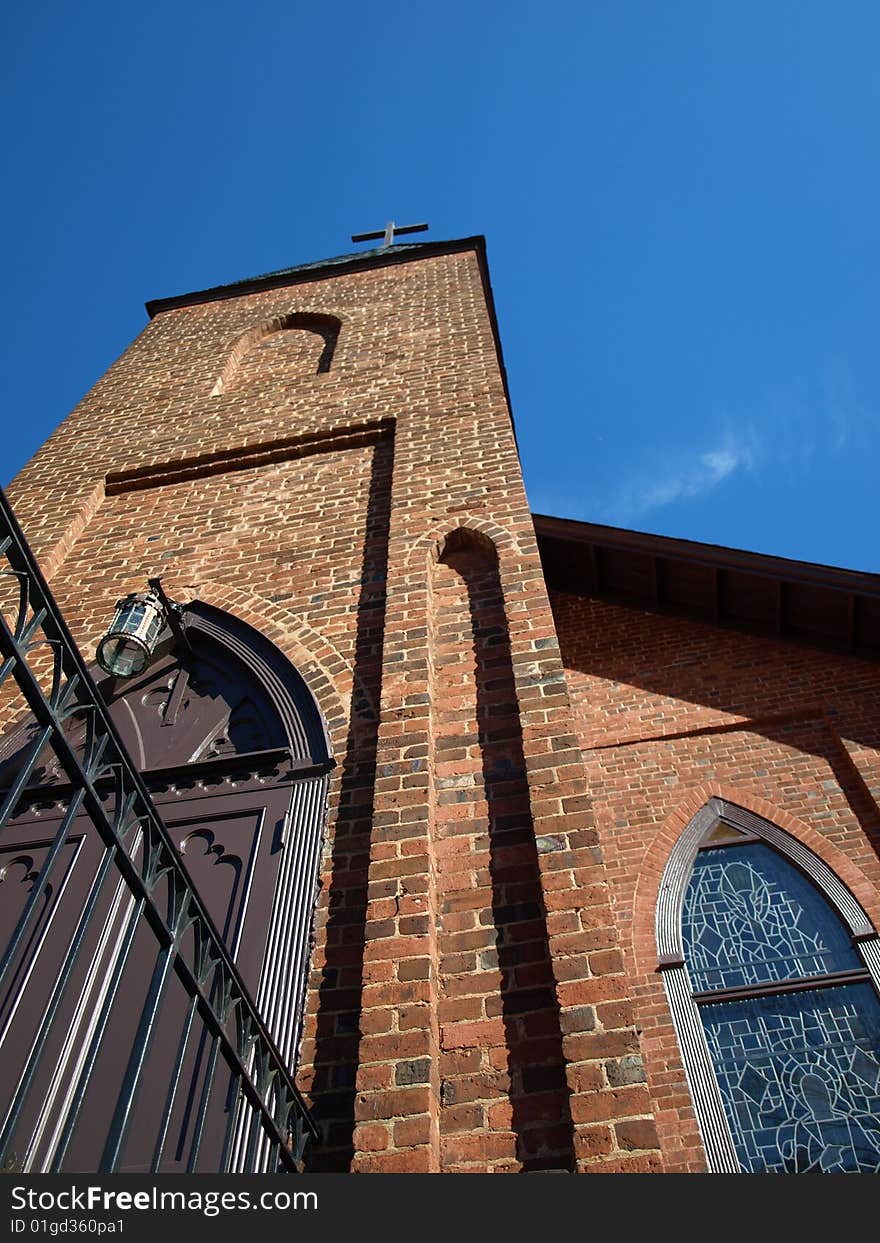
204	1101
31	628
6	668
233	1104
159	1150
23	601
23	776
253	1139
97	1039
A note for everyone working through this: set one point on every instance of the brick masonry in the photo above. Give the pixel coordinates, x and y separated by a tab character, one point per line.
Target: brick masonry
469	1007
673	712
332	460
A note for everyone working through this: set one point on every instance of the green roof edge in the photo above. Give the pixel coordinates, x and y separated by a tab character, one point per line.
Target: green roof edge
323	269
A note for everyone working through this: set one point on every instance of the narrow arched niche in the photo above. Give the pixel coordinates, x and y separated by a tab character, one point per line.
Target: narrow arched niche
469	542
495	963
292	346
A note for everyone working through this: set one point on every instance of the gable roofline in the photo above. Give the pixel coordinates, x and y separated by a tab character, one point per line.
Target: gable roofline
817	604
322	269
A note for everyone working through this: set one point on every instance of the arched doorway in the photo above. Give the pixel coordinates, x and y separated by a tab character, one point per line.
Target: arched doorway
231	746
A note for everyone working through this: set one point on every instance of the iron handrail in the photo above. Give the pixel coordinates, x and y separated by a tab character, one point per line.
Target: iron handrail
139	848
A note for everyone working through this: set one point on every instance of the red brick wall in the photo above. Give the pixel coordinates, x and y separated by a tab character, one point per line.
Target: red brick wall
504	1103
672	712
315	506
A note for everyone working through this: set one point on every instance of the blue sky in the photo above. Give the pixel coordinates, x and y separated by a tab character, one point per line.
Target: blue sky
680	201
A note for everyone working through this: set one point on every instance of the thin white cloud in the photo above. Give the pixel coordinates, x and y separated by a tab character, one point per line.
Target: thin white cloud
850	421
682	478
790	433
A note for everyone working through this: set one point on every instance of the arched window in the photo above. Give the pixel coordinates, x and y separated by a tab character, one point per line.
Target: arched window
772	972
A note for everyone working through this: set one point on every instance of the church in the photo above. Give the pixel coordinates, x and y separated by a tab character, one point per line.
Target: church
396	828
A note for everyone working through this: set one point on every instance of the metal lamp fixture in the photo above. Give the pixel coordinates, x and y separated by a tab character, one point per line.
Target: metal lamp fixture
129	643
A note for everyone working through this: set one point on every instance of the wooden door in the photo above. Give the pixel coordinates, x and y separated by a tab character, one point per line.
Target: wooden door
222	770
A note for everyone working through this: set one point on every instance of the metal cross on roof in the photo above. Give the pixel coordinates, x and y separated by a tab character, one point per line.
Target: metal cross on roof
389	233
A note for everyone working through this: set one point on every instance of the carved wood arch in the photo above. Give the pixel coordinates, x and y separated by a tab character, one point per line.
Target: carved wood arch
232	695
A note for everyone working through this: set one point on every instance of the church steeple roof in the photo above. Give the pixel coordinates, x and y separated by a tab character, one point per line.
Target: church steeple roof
380	256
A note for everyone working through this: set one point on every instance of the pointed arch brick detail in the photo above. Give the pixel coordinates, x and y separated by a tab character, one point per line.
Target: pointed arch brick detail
676	1121
651	872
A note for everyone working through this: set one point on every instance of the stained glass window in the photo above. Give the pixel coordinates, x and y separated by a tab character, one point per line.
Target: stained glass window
750	917
797	1064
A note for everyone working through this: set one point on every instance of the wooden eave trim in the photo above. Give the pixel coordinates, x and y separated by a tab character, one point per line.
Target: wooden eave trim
573	553
712	556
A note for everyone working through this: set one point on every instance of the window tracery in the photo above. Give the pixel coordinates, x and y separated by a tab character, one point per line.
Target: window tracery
774	993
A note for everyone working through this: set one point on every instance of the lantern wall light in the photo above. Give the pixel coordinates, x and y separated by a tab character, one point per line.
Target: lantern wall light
140	618
129	643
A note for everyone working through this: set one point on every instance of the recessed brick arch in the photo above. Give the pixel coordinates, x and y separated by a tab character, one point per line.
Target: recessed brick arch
493	1003
433	543
467	539
325	326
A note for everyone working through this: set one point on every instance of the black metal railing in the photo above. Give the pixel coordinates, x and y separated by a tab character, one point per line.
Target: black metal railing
218	1065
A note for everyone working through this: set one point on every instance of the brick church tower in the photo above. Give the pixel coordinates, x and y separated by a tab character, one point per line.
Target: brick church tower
550	751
